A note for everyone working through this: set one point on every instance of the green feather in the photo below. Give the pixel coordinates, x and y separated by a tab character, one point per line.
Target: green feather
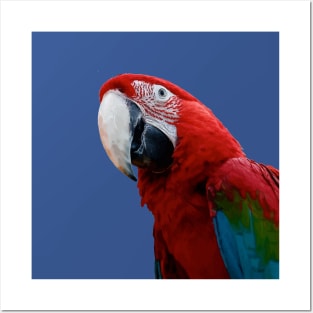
246	216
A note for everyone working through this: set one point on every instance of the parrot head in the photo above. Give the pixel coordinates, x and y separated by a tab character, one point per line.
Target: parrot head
143	120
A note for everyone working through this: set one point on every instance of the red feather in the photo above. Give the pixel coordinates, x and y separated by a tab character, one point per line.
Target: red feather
206	159
183	230
206	155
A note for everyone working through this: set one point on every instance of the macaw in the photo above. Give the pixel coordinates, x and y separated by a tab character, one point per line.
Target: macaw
216	212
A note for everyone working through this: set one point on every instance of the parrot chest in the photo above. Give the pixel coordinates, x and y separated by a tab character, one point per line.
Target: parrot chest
185	244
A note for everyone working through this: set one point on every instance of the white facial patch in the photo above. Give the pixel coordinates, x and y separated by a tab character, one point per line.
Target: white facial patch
160	107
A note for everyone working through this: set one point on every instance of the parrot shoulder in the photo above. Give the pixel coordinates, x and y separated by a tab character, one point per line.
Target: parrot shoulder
243	199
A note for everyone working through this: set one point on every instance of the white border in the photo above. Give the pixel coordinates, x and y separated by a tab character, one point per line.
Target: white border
19	19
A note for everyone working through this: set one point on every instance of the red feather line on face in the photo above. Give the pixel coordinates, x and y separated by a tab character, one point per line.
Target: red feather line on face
123	83
164	111
139	88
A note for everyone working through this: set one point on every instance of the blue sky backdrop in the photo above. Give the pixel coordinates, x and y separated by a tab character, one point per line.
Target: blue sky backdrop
86	216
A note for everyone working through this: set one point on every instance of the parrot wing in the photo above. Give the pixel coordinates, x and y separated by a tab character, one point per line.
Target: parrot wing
244	202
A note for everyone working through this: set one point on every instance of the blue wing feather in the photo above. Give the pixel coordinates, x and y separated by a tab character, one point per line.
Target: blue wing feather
238	250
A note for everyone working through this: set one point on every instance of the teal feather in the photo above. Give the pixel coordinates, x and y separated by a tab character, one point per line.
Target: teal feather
157	270
237	243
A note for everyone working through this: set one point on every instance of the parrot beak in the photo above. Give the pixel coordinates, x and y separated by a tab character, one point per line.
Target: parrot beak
114	128
128	139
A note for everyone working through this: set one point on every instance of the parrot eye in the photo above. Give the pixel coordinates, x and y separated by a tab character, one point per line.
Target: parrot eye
162	93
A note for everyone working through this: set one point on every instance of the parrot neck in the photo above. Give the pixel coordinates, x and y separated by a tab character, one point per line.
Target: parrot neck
202	141
178	196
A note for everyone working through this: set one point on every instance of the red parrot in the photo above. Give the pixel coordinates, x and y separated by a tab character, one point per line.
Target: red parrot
216	212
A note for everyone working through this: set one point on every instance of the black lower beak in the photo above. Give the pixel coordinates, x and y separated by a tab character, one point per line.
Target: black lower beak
150	147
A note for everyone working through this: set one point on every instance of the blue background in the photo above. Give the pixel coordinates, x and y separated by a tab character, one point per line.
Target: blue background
86	216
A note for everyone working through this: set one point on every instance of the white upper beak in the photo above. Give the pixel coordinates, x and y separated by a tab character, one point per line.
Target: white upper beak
114	128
